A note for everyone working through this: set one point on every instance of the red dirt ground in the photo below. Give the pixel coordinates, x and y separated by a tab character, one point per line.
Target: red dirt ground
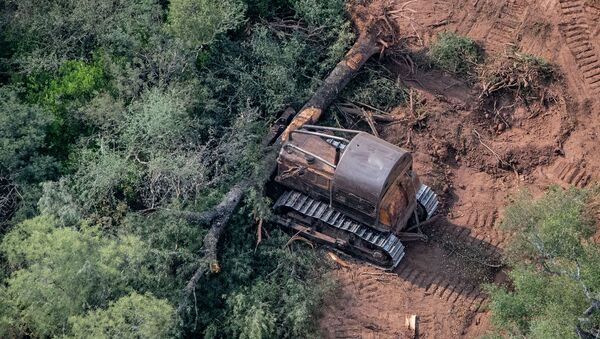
456	149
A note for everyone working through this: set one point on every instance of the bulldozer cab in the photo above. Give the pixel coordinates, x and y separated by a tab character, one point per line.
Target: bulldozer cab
366	177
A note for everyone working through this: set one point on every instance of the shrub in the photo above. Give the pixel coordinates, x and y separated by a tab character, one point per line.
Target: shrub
61	272
48	33
23	133
454	53
199	22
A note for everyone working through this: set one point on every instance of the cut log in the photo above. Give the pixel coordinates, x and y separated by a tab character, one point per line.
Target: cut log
364	47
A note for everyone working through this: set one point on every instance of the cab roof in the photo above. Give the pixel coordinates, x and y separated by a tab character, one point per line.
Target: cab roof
368	166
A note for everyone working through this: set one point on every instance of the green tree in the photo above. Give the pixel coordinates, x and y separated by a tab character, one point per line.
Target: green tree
555	273
24	156
198	22
132	316
23	131
48	33
62	272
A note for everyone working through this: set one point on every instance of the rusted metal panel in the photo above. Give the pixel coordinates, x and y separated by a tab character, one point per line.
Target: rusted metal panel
366	169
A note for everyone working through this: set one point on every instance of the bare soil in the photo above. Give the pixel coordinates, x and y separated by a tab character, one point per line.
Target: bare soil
475	156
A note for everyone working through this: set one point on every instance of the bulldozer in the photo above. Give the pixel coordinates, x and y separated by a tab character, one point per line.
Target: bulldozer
351	191
346	189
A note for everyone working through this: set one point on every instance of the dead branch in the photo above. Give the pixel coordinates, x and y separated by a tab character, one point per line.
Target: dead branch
353	109
495	154
369	118
221	215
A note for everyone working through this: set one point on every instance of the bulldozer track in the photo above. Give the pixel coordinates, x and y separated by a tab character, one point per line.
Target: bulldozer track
571	173
594	16
446	289
384	241
505	28
319	210
548	4
576	31
357	332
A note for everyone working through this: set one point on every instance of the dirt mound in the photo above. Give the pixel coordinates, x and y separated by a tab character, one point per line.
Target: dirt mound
475	154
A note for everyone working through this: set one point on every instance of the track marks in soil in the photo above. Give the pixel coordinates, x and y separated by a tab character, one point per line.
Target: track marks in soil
571	173
458	283
478	218
576	31
447	289
505	28
548	4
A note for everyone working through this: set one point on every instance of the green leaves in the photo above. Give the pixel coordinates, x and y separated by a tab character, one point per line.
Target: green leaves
23	132
198	22
64	272
76	82
553	226
132	316
555	270
48	33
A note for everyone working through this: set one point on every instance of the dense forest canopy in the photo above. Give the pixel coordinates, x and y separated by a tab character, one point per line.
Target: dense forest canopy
117	116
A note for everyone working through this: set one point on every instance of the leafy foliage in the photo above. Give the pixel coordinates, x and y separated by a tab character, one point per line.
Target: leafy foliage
132	316
137	111
376	88
454	53
23	131
48	33
64	272
555	272
75	83
274	289
198	22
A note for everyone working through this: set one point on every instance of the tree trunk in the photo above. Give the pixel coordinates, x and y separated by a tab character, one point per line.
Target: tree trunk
364	47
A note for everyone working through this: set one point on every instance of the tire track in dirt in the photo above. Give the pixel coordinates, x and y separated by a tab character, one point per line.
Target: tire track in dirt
576	32
504	30
444	284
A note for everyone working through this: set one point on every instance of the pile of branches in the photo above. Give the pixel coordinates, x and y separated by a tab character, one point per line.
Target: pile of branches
522	75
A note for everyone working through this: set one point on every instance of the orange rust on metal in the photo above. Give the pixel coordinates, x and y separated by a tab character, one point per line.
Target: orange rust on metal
307	115
315	235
